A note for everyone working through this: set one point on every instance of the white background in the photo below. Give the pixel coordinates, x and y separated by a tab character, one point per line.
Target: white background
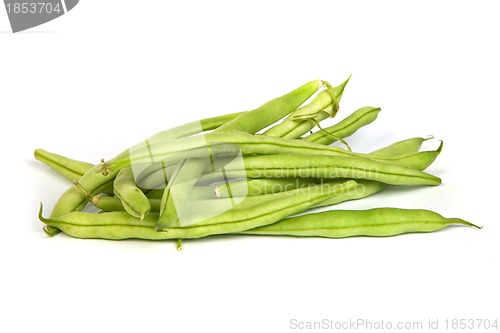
110	73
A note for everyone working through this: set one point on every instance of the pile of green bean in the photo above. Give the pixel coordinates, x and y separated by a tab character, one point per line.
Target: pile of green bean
258	172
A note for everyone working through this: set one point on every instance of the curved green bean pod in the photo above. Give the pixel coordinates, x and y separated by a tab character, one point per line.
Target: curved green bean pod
69	168
345	127
133	199
272	111
401	147
378	222
293	128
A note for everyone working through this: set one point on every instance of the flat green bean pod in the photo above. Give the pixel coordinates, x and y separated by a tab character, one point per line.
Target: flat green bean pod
378	222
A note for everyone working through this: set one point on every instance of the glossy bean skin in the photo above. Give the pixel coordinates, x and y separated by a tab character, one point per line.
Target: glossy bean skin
346	127
69	168
255	120
378	222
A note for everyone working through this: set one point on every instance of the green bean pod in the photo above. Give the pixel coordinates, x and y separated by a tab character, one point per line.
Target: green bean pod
401	147
293	128
114	204
272	111
378	222
133	199
346	127
329	167
69	168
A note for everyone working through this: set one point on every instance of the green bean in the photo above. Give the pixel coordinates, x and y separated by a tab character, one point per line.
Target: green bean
293	128
272	111
133	199
67	167
112	204
404	146
345	127
379	222
154	194
319	166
